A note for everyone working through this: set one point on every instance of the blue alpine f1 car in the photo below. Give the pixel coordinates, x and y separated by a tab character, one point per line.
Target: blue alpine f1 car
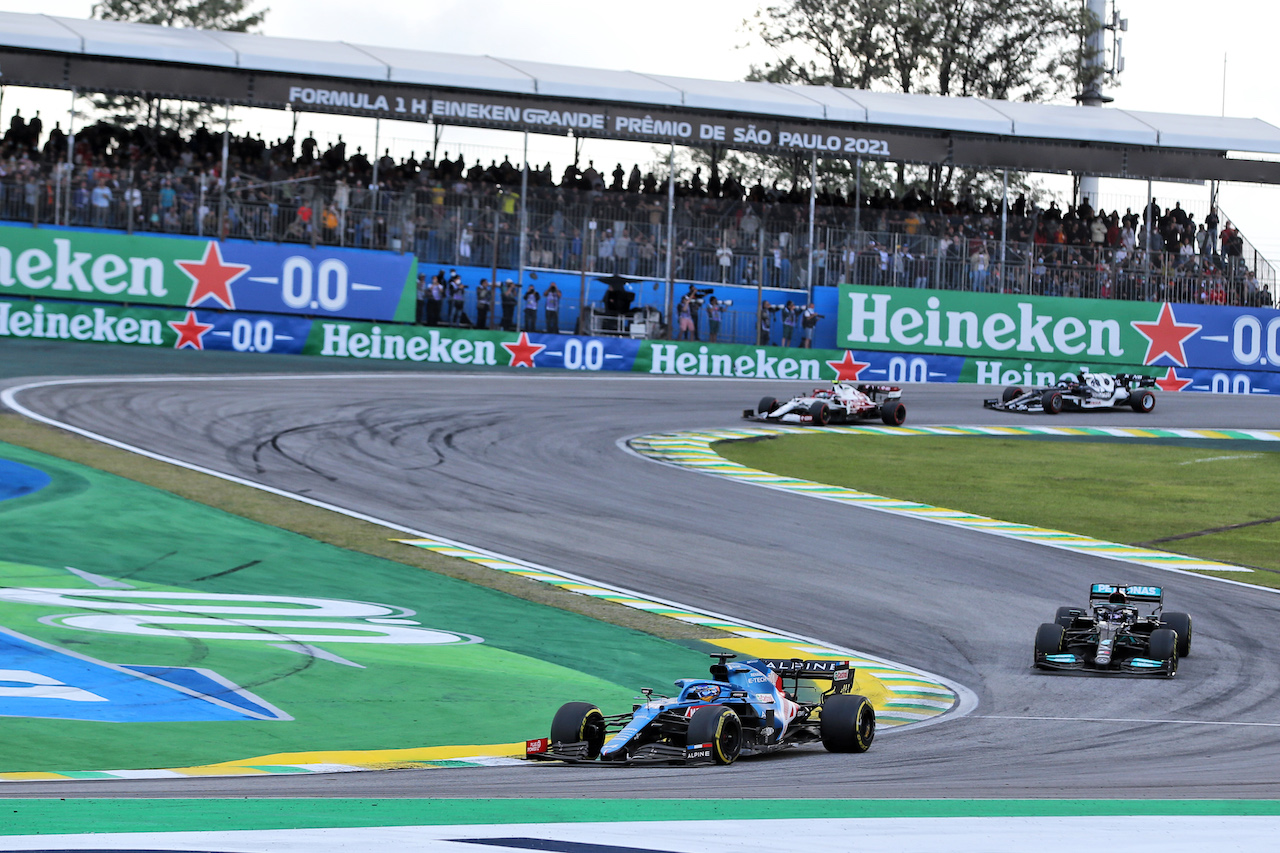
745	708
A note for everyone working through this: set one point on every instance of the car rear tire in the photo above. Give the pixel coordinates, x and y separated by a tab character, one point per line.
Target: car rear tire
1010	393
579	721
767	405
848	723
893	413
1051	401
1142	401
1050	639
820	413
1066	616
1181	623
1164	646
721	728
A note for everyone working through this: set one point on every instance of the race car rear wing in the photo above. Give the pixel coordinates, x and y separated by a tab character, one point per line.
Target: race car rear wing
838	672
1101	591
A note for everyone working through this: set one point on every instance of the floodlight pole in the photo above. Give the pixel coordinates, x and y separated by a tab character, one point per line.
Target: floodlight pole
813	204
857	203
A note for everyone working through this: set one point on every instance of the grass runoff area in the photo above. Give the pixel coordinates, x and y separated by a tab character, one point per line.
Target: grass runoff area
1210	499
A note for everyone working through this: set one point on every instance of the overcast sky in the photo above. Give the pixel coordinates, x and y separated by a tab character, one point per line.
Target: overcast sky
1174	54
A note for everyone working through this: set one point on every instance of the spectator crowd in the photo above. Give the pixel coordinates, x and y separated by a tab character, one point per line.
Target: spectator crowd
449	212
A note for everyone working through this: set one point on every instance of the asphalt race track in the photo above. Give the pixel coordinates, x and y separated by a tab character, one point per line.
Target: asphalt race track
531	466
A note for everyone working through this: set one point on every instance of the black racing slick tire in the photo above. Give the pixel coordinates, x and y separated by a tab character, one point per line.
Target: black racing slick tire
848	723
820	412
1050	639
1066	616
1010	393
767	405
718	727
1164	646
579	721
1051	401
1142	401
1181	623
893	413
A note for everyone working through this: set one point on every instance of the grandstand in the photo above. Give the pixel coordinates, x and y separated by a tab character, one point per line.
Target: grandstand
704	229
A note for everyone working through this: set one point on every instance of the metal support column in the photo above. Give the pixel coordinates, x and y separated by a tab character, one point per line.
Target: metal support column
524	232
377	141
1004	226
71	149
813	205
672	329
222	190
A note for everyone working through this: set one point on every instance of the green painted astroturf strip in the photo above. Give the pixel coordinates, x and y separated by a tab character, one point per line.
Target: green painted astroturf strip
50	817
374	696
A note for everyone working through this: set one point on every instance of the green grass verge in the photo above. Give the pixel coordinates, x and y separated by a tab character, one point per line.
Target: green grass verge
325	526
1121	492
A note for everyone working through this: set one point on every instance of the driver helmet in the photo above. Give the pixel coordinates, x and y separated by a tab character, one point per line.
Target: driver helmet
1118	597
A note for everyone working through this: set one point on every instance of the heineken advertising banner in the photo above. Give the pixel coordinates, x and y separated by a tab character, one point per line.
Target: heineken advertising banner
200	329
232	275
1106	334
169	328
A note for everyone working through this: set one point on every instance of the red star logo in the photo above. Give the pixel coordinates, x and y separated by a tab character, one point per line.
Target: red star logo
190	332
1171	382
211	277
846	368
1166	336
522	352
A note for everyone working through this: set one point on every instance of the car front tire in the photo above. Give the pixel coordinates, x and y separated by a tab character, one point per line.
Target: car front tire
721	728
579	721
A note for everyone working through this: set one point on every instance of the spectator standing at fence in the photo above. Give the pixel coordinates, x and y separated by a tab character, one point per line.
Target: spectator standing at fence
766	323
531	298
435	298
713	319
551	310
724	257
422	298
510	296
978	268
484	302
789	314
458	296
464	242
101	201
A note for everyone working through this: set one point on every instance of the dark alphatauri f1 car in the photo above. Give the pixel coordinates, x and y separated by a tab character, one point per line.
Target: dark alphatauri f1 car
1123	630
843	403
746	708
1090	391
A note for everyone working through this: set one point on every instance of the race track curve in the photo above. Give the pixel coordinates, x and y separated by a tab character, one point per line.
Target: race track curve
530	466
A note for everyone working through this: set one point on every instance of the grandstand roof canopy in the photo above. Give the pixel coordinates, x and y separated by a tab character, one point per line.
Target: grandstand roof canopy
482	91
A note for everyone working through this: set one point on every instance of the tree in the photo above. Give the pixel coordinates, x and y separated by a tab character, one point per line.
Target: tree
1020	50
226	15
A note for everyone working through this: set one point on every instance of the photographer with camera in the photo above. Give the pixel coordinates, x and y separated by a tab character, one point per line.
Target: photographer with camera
808	321
766	322
713	319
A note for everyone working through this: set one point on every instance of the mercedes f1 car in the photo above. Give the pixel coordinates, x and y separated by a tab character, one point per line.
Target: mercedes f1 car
1090	391
843	403
747	708
1123	630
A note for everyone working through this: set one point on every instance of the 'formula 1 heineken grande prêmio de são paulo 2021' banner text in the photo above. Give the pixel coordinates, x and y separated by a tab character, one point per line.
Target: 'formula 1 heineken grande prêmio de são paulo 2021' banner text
193	272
